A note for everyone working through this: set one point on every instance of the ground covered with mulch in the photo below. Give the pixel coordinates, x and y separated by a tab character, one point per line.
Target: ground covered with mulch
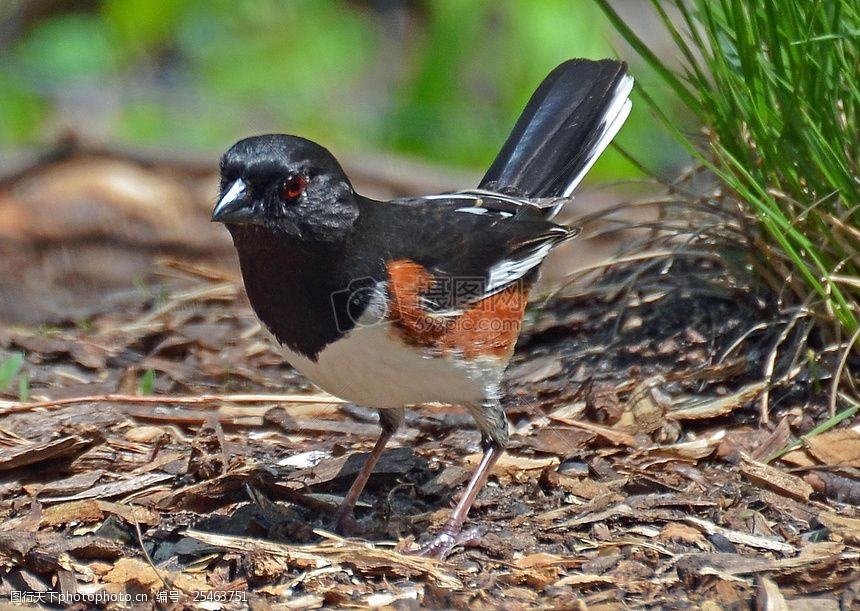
166	452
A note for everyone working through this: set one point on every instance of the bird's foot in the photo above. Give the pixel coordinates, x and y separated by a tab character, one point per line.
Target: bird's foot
443	544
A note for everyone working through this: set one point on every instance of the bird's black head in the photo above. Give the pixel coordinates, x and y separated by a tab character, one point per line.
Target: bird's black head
287	185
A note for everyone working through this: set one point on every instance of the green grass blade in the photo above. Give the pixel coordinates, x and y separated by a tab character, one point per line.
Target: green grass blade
10	368
642	49
147	383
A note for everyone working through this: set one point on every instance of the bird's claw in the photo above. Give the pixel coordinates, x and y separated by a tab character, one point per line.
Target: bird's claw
441	546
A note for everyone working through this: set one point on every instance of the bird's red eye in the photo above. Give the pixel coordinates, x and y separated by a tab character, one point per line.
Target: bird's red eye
293	187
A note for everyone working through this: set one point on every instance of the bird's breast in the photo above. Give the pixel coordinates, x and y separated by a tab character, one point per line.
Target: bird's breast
372	366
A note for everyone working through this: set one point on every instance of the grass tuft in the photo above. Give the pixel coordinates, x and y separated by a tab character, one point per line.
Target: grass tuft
775	86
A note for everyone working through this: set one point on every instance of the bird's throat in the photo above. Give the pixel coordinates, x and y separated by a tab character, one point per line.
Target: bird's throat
293	287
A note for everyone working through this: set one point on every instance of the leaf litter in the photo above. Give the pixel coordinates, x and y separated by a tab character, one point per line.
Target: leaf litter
640	471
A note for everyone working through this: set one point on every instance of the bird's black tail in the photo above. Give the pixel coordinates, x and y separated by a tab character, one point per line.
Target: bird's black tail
568	122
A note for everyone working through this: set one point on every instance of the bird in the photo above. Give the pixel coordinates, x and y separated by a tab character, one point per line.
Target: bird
416	300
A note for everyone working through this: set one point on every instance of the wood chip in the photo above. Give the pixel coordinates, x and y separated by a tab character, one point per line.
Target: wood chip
775	479
620	510
774	442
727	565
511	464
146	434
394	461
741	538
538	369
768	596
114	489
799	458
362	557
539	570
128	571
688	450
815	603
644	411
292	424
583	580
558	440
66	486
94	511
716	407
618	438
681	533
845	527
32	453
582	487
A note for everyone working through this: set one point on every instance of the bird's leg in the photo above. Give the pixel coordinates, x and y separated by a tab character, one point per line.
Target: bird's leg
494	437
390	420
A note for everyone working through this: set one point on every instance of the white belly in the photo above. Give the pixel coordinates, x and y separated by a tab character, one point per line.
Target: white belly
370	367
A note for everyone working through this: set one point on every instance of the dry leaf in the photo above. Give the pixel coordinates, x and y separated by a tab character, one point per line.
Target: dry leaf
839	447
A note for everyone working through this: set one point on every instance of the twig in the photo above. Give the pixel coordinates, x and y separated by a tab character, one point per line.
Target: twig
615	261
223	289
165	582
11	407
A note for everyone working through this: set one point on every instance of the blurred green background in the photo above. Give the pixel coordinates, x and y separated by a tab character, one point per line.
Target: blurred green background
439	80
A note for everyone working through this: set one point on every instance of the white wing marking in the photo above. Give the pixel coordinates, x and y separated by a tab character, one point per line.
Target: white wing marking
614	117
510	270
457	195
478	210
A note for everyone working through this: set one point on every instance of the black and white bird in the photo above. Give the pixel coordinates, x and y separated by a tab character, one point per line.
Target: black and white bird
416	300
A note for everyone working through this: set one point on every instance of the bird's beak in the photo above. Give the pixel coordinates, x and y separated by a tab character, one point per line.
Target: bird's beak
234	206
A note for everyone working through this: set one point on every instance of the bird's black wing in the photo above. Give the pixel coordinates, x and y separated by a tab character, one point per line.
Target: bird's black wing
473	245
